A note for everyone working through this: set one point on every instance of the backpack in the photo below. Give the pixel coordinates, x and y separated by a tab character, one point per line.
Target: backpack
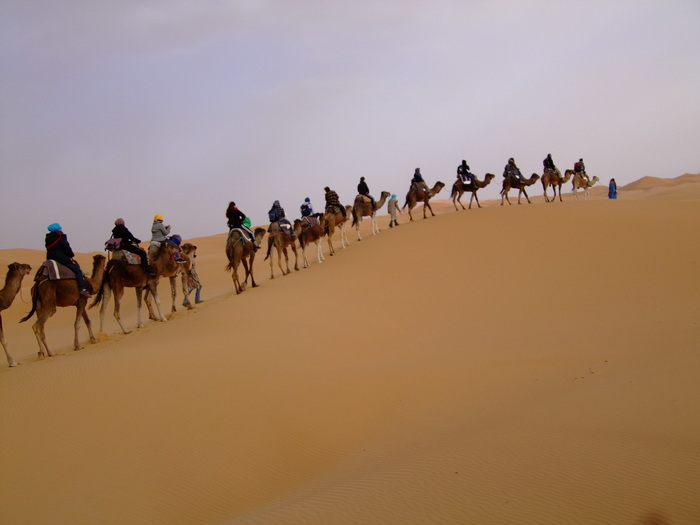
113	244
577	166
305	210
272	215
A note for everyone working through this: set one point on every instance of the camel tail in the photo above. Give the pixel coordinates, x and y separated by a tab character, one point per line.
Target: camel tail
354	217
35	294
269	249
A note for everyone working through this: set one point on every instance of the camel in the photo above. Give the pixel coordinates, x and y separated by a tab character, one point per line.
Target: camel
171	269
459	188
280	238
362	208
13	282
311	234
554	179
418	194
119	275
580	182
47	295
513	182
337	220
240	249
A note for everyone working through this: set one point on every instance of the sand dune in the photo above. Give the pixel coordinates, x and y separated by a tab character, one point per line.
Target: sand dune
516	364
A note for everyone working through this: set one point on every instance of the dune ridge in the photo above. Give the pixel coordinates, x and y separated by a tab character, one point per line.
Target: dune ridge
516	364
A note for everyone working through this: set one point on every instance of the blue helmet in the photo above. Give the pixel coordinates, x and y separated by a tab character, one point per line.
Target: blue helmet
307	199
55	227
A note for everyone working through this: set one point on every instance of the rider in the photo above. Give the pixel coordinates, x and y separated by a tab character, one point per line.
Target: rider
363	189
511	170
548	163
131	244
276	214
418	182
236	219
306	209
580	168
159	234
464	174
333	201
58	249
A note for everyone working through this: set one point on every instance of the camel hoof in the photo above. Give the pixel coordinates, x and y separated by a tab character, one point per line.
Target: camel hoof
13	364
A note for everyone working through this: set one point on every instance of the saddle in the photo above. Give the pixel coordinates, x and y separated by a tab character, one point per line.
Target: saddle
310	222
243	236
128	257
53	271
364	198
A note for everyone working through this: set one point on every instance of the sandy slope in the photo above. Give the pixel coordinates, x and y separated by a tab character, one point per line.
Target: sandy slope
517	364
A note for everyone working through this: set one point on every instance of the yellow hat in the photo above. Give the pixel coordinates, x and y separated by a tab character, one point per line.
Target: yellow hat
158	217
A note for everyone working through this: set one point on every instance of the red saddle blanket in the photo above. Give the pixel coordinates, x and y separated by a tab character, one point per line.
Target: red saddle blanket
128	257
54	271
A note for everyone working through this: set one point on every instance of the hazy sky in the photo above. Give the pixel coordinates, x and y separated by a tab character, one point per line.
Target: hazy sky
130	108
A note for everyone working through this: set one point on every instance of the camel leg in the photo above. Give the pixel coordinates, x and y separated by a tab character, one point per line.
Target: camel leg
560	199
476	199
296	256
152	290
173	294
343	237
319	250
575	192
303	254
38	328
106	294
117	309
459	199
234	277
139	304
186	300
357	227
88	324
280	252
250	272
528	198
330	243
10	361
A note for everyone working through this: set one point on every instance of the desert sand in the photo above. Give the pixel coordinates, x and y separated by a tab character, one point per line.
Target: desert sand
518	364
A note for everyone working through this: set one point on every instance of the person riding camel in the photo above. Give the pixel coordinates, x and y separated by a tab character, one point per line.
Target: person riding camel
58	249
237	220
417	183
159	235
333	202
580	168
276	214
464	174
307	210
548	164
363	189
130	244
511	170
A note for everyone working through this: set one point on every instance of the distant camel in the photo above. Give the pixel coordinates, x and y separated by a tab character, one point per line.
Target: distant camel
240	249
13	282
280	238
516	183
311	234
362	208
459	188
418	194
119	275
47	295
337	220
554	179
171	269
580	182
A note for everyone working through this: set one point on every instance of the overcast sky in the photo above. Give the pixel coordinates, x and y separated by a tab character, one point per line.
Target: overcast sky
130	108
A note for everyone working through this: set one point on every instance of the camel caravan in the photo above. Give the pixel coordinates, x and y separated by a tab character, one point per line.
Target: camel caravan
59	281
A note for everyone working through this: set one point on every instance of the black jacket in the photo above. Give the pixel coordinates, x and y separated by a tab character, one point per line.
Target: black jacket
122	232
362	188
235	219
57	247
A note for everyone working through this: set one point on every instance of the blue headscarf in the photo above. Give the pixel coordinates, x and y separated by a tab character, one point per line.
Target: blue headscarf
55	227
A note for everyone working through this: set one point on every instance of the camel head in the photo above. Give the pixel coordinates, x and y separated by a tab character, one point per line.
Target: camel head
189	249
437	188
98	260
489	177
22	269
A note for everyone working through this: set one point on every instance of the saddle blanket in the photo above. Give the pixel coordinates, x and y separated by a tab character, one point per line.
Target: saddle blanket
364	198
310	221
242	235
128	257
54	270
